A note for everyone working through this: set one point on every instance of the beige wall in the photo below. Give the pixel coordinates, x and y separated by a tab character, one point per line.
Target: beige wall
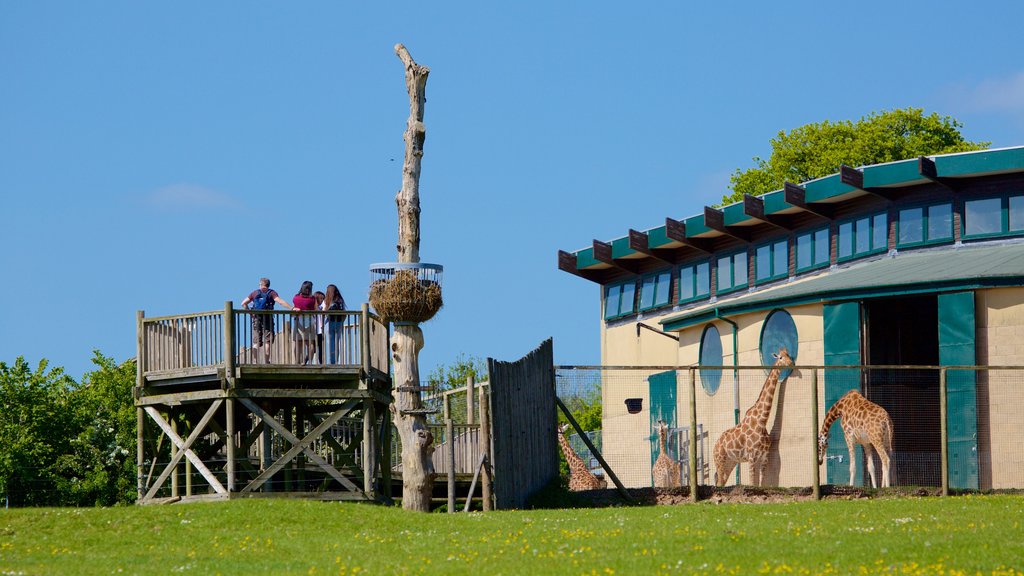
626	436
999	321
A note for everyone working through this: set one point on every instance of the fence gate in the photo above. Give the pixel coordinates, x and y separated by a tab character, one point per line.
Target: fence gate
523	423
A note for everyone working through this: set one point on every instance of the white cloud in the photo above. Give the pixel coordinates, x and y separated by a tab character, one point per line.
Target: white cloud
192	197
1004	95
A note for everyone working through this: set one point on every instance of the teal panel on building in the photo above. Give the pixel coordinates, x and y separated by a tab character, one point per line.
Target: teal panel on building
663	389
957	348
842	348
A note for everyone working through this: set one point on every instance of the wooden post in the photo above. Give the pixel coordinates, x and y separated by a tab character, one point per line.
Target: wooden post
229	442
943	432
385	457
174	451
229	344
815	467
407	339
449	430
140	381
289	425
369	449
446	405
693	435
486	486
470	385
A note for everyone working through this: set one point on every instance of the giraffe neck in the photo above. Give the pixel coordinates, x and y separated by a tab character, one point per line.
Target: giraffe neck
833	414
662	440
571	458
764	400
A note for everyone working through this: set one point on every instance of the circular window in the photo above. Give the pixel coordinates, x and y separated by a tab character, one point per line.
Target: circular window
710	355
779	331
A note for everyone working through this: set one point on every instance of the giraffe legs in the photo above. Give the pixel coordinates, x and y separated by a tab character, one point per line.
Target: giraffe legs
870	457
886	458
852	448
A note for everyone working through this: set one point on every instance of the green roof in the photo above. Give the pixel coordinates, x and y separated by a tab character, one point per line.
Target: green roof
949	268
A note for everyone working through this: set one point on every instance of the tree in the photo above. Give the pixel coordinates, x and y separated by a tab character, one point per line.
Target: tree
447	377
815	150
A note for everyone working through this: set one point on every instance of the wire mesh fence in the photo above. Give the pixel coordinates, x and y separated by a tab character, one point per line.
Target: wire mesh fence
903	426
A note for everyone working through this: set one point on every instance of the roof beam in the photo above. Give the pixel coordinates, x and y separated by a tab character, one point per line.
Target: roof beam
797	196
926	168
676	230
567	263
603	253
715	219
855	178
754	207
641	243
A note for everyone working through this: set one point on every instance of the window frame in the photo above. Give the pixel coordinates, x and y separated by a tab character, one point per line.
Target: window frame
733	287
696	294
1004	216
870	217
772	276
621	288
926	240
711	373
658	288
812	234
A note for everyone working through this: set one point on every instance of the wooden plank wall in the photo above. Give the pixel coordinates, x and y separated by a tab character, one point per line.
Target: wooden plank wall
523	419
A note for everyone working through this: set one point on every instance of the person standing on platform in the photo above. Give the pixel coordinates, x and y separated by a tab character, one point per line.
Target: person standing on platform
334	303
263	300
305	324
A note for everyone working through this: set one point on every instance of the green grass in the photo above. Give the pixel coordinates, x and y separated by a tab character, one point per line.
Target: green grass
958	535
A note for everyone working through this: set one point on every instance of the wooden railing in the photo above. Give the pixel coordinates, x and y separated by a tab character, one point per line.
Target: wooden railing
171	346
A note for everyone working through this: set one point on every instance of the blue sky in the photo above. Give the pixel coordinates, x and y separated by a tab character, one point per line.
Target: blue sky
162	157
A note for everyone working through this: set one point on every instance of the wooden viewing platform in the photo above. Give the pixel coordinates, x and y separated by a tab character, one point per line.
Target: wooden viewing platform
241	403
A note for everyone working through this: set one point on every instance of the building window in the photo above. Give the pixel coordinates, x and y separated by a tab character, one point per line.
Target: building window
656	290
779	331
694	282
619	300
812	250
863	236
711	355
732	272
993	216
772	261
925	225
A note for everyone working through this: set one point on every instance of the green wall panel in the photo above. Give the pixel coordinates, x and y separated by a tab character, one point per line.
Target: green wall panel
842	348
662	389
956	348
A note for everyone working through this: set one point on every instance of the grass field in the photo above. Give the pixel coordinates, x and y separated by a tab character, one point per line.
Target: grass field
959	535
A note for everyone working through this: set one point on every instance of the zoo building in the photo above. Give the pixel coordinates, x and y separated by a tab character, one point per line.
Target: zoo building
903	281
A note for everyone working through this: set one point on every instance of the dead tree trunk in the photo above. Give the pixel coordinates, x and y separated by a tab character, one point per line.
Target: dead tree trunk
407	340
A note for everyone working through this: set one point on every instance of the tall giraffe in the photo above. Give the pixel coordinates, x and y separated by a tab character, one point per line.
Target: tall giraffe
580	476
864	423
749	441
666	471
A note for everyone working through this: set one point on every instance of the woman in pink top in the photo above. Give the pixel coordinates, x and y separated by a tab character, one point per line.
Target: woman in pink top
305	324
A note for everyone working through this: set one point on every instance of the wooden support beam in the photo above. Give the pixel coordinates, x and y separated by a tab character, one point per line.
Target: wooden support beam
640	242
797	196
294	440
926	168
676	230
184	449
855	178
603	253
754	207
567	263
715	219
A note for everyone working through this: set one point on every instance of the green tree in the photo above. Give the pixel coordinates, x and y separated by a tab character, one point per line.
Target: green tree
451	376
816	150
36	426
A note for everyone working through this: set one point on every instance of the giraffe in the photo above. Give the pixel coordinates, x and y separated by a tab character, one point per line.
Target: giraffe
749	441
864	423
580	476
666	471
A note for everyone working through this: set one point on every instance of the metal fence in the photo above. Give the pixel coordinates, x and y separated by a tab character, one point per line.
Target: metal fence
953	428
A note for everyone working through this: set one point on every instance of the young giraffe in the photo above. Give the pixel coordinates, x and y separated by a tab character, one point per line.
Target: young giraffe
749	441
666	471
580	476
864	423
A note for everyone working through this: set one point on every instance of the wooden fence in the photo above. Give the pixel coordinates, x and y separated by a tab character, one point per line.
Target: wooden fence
523	404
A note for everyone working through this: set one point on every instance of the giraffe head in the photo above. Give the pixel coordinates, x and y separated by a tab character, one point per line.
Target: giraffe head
782	357
562	428
822	446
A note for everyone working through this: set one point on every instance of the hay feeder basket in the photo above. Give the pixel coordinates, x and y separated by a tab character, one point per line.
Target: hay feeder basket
406	292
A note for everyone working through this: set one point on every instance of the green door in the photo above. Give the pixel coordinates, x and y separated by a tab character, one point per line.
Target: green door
956	348
662	387
842	348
